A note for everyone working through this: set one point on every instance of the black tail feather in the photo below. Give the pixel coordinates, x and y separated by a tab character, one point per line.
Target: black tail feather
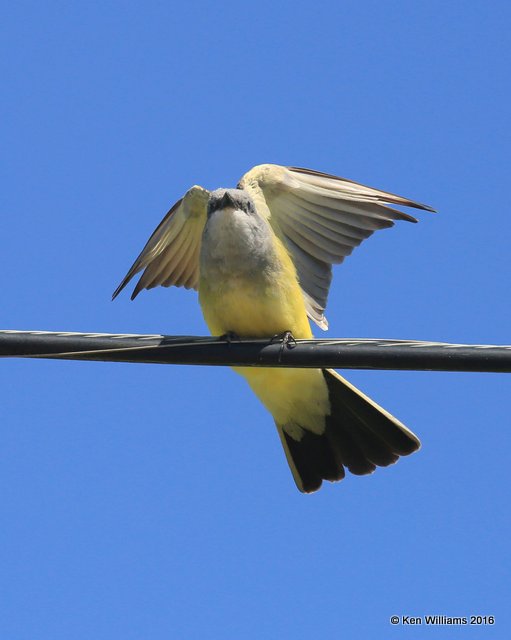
377	423
314	460
358	435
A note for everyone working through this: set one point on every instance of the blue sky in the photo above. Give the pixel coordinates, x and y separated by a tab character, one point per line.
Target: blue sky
144	501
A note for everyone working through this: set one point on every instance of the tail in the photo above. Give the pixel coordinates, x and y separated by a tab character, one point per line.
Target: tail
358	435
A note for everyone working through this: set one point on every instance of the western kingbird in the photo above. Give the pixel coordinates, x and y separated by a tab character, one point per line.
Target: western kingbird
261	258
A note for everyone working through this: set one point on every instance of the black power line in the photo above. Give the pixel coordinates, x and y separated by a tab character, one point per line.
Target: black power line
345	353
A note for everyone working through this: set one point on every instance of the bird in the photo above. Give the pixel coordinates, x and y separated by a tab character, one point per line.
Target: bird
261	257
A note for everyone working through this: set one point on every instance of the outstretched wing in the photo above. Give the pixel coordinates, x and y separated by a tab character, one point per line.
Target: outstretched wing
321	219
171	255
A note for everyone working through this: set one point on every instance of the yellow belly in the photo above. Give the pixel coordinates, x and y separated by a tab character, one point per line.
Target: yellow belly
294	397
253	312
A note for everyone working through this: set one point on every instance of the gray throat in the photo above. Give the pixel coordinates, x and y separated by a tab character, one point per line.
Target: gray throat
236	243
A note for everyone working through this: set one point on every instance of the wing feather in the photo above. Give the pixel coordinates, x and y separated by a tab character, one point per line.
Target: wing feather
171	255
321	218
324	238
328	222
343	185
192	270
164	267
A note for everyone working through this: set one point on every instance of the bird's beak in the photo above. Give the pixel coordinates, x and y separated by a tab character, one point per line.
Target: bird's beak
227	200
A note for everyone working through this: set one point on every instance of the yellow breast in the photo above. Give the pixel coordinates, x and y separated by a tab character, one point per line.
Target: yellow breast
255	304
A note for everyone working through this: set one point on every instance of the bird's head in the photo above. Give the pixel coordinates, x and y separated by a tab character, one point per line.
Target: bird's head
236	199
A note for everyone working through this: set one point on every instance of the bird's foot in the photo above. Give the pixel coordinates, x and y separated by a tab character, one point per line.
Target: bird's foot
286	339
229	337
